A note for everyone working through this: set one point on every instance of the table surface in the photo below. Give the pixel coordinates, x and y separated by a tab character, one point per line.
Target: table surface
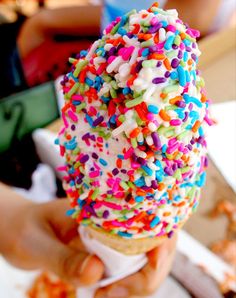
218	65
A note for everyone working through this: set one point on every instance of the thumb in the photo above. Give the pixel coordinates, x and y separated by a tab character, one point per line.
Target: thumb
71	265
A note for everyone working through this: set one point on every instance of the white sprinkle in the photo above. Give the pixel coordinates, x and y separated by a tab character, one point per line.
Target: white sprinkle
152	127
140	137
114	64
162	34
149	140
124	69
140	153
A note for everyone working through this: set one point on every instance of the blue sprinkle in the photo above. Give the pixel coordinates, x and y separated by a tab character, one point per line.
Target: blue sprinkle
139	199
123	20
70	212
187	42
185	56
89	119
72	183
70	146
76	102
126	90
153	109
182	77
158	163
89	81
86	185
164	24
192	99
71	171
103	162
125	234
155	222
105	99
147	170
159	177
187	76
188	184
169	42
180	113
202	180
113	119
177	198
56	141
83	53
140	182
193	73
188	127
200	131
174	75
164	148
120	156
122	31
145	52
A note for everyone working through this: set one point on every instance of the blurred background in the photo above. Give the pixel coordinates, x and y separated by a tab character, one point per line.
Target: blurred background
38	36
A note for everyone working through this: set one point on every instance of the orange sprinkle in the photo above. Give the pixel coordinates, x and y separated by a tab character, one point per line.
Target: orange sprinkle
170	193
164	116
156	38
68	137
182	36
134	133
131	80
157	56
150	154
166	213
175	99
161	186
141	192
190	62
163	95
167	64
145	130
203	98
181	204
119	163
196	126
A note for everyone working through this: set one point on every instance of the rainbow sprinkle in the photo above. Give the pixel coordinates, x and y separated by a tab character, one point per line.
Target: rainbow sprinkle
133	135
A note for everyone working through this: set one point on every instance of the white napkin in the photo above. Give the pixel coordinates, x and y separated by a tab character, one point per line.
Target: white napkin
117	265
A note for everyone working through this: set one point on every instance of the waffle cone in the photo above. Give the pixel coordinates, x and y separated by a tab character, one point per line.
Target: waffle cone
123	245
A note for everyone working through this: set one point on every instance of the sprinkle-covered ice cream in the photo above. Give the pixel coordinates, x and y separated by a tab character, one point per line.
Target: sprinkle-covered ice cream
133	134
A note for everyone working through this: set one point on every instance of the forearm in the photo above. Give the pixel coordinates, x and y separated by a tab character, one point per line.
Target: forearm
199	14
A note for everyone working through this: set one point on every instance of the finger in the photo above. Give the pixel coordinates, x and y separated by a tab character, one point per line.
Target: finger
148	279
76	267
64	227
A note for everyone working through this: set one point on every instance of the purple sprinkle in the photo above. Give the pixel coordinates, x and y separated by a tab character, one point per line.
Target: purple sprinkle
111	52
92	137
123	171
170	234
168	171
180	55
194	45
156	140
115	171
105	214
206	162
190	107
98	121
190	147
159	80
188	49
141	161
167	74
90	210
194	57
155	28
180	104
175	63
174	46
174	167
154	184
94	155
86	136
109	192
84	158
159	63
138	67
153	49
185	116
72	127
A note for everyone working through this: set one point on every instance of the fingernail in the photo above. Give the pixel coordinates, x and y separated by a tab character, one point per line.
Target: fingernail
118	292
84	264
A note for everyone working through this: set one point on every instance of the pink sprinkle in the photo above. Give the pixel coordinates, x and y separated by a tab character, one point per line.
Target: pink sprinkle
121	51
64	120
181	147
171	28
208	120
96	183
130	172
110	182
100	139
61	132
93	111
193	33
94	174
66	89
172	141
128	53
129	153
175	122
109	28
119	195
110	59
172	149
112	205
72	116
97	205
116	185
135	165
77	97
182	46
96	166
154	21
117	223
61	168
150	116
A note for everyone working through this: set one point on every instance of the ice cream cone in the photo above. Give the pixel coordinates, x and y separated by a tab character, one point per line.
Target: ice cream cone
123	245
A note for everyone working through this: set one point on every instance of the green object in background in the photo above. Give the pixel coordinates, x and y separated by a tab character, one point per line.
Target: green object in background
23	112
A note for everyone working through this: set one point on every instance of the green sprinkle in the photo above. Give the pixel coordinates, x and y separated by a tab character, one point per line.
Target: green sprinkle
72	60
131	185
107	78
77	164
185	170
182	135
134	143
171	54
170	88
134	102
73	89
149	63
121	118
115	28
182	63
85	222
95	194
177	174
124	185
114	85
80	107
133	11
81	88
79	67
76	151
177	40
147	43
